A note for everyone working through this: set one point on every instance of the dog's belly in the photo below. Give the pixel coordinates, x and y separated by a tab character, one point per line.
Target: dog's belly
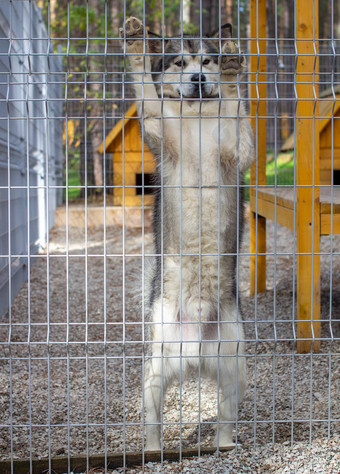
188	311
200	207
181	331
198	213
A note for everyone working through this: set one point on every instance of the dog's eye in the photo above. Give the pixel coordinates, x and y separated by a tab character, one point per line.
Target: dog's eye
180	63
206	61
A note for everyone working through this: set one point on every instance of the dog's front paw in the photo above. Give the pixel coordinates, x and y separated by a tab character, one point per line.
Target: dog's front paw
232	61
133	35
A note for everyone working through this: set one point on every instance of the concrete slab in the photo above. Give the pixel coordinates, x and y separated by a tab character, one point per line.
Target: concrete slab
95	216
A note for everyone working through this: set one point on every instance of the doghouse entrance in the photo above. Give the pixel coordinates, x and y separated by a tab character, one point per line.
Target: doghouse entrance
336	177
148	182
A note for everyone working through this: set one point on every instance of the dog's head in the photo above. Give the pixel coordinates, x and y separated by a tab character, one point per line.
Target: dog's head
187	68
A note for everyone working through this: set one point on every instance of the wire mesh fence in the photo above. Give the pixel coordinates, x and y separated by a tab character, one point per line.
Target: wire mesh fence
170	219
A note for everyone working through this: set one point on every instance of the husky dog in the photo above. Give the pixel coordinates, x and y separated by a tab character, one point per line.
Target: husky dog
196	126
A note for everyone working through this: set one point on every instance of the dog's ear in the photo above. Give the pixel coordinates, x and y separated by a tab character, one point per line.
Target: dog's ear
224	33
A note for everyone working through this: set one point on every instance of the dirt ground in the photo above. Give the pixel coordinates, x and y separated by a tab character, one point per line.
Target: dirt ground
73	383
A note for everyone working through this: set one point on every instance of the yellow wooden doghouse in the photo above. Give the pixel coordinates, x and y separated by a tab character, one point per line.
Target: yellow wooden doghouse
308	208
130	161
329	112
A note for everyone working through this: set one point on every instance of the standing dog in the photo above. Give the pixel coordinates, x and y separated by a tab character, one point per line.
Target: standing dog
197	128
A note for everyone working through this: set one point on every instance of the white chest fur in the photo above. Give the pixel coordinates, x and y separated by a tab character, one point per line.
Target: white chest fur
200	147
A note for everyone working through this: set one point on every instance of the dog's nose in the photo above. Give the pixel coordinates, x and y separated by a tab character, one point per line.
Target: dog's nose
198	78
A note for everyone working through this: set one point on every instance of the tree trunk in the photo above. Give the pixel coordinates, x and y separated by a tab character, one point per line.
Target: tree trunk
270	19
96	139
53	8
113	12
229	11
95	127
211	18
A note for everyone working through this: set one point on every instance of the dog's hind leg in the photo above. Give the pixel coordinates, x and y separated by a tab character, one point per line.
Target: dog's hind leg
158	376
161	368
232	380
153	396
232	385
229	363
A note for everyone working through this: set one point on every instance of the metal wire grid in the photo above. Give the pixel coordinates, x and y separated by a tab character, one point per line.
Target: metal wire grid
28	119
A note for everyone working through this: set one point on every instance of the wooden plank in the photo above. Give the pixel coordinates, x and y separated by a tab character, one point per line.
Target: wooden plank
131	198
95	216
282	196
116	146
134	156
135	167
284	216
78	464
326	158
327	152
326	224
130	180
132	139
326	140
117	200
134	201
307	156
289	143
128	192
327	108
258	94
117	179
137	200
285	197
330	201
325	176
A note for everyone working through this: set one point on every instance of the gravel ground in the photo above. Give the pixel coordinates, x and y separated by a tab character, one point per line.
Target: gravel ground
289	397
321	456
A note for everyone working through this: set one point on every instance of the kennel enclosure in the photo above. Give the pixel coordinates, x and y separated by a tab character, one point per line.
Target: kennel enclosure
73	344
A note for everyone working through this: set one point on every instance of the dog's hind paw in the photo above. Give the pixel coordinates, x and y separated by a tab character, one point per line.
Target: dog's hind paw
232	60
224	444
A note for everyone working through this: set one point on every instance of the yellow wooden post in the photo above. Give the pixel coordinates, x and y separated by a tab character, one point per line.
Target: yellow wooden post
307	159
258	89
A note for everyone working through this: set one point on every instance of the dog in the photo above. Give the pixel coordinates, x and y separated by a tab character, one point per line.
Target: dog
197	128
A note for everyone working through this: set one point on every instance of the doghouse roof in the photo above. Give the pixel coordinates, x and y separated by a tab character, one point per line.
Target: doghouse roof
118	129
327	110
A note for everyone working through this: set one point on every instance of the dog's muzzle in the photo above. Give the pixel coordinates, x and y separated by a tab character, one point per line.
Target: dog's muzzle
198	85
198	79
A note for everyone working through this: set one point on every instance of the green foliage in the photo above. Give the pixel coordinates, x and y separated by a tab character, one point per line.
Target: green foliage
76	18
190	28
283	171
73	180
79	19
159	11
